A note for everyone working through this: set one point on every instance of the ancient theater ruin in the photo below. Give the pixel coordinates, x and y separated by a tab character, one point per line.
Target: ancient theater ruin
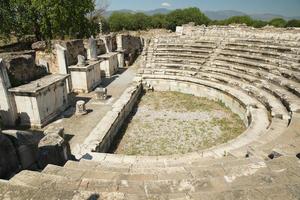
201	113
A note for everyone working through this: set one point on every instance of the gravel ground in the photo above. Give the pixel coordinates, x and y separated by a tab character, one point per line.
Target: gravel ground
168	123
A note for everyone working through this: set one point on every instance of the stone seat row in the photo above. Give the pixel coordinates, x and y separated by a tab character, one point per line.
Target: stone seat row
266	67
284	90
216	180
293	58
280	49
180	50
262	59
291	85
258	77
283	115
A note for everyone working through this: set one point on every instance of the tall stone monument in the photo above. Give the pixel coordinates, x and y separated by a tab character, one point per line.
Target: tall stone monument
8	114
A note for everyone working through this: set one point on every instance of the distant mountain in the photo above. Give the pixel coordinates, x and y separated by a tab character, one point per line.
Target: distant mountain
222	14
157	11
214	15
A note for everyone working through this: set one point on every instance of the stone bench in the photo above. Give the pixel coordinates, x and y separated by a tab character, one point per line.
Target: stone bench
290	99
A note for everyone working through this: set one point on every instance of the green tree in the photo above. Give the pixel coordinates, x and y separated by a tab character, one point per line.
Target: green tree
183	16
293	23
6	18
259	23
240	20
278	22
48	19
158	21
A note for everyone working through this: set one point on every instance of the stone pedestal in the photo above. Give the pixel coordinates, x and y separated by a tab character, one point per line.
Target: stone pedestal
80	108
40	101
109	64
85	77
101	93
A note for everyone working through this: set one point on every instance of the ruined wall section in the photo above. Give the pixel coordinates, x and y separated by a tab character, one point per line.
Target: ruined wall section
132	47
21	67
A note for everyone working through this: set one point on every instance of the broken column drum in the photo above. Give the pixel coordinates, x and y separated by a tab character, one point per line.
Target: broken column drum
80	108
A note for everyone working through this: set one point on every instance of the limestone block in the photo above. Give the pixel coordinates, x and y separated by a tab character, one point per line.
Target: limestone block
53	149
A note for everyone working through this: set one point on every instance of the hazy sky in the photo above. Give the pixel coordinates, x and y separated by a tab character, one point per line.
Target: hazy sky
283	7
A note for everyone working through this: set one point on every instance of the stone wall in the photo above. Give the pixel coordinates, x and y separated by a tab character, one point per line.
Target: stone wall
240	31
131	45
46	55
21	67
103	135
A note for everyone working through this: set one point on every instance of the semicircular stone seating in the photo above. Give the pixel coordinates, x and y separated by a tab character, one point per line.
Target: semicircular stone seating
259	69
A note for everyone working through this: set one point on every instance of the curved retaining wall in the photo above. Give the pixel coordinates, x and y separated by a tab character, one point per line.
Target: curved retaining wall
102	136
252	112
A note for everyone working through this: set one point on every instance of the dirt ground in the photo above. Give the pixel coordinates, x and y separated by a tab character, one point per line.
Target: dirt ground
168	123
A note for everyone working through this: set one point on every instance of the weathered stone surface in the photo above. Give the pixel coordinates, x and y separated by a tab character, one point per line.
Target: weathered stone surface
42	100
22	68
40	45
53	149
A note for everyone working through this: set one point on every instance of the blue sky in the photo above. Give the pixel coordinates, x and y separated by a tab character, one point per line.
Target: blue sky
283	7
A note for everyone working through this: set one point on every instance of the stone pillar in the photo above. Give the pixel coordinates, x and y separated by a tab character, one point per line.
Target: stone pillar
121	59
120	43
92	49
80	108
8	110
62	64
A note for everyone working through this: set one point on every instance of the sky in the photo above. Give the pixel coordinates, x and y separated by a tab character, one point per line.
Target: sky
282	7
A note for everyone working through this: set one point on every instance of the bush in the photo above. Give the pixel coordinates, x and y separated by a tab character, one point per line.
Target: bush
278	22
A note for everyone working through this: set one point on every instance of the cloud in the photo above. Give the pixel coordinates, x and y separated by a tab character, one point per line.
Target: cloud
166	4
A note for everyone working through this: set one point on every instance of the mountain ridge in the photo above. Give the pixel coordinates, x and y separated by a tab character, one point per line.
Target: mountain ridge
214	15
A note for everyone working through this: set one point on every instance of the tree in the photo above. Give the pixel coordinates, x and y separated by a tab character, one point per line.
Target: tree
49	19
183	16
6	18
278	22
293	23
240	20
158	21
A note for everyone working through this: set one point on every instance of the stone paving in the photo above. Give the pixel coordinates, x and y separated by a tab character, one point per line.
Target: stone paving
168	123
79	127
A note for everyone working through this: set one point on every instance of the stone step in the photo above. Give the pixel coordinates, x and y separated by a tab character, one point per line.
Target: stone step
17	192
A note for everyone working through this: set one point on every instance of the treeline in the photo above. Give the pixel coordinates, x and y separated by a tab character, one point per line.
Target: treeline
119	21
47	19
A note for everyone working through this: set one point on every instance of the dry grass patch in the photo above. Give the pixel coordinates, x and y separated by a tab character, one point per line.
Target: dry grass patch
174	123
